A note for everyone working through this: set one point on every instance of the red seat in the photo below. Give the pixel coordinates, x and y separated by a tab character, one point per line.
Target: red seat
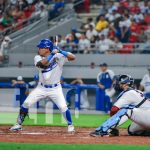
133	38
127	49
27	13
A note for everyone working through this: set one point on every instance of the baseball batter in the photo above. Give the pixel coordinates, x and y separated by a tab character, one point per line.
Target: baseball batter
131	104
49	61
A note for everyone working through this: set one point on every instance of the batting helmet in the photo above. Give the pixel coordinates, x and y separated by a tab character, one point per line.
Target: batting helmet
126	79
46	43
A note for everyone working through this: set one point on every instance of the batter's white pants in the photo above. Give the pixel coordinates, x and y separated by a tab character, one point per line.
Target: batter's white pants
141	120
40	92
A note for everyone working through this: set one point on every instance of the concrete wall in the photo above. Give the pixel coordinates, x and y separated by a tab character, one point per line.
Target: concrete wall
128	60
73	72
27	42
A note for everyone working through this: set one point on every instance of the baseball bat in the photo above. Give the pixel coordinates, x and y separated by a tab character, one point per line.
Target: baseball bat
56	40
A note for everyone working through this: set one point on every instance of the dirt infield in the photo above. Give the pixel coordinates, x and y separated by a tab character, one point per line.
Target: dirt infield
38	134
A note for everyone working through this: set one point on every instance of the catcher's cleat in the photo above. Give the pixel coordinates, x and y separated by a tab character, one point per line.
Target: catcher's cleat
16	127
114	132
97	133
71	129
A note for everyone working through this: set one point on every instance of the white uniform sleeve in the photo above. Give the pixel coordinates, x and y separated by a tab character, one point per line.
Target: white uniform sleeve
128	98
37	58
111	73
98	77
123	101
61	59
143	81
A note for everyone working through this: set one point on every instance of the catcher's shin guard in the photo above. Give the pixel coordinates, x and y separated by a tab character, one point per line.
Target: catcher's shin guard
119	118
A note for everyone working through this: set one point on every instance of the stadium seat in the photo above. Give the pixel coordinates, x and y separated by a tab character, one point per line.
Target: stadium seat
127	49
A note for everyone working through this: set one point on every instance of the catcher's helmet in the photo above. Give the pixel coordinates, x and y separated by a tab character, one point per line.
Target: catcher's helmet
46	43
126	79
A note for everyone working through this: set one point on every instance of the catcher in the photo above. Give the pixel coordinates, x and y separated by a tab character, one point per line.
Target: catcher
131	104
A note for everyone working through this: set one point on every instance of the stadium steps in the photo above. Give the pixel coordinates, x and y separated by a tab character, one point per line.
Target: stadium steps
94	12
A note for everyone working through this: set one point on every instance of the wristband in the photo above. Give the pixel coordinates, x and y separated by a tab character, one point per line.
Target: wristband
62	52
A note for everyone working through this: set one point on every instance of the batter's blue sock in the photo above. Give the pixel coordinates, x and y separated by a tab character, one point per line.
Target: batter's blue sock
67	116
23	113
23	109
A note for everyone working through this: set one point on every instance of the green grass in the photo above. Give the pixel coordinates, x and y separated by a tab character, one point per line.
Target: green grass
82	121
17	146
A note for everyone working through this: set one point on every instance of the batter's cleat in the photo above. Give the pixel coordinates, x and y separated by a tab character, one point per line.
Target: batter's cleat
99	133
71	129
16	127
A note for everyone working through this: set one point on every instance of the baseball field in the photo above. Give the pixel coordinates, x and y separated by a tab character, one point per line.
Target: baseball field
54	136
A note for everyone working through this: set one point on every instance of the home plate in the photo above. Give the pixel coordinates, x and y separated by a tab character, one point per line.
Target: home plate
33	133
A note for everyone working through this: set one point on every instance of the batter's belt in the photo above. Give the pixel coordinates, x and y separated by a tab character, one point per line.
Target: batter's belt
50	85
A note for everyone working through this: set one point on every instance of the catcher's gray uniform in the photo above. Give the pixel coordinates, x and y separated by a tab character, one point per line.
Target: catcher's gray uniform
140	116
131	104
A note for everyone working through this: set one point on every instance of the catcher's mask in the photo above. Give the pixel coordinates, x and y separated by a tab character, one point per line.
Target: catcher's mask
126	79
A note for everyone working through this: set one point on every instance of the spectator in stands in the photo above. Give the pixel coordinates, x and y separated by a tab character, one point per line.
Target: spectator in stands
6	20
73	37
113	15
3	4
57	9
105	82
112	7
122	8
42	12
116	45
104	44
17	14
4	48
145	83
23	4
90	33
102	11
38	5
101	24
84	45
124	29
138	17
30	2
13	2
144	7
135	8
142	36
86	26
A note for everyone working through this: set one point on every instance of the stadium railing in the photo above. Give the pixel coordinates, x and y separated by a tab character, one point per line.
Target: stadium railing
127	48
100	94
